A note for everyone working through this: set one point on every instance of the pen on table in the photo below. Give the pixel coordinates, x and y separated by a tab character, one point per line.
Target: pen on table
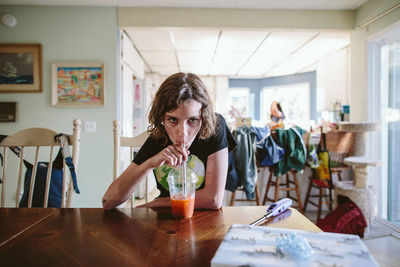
274	209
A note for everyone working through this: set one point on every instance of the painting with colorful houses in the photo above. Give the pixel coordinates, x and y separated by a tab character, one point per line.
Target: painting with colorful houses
80	85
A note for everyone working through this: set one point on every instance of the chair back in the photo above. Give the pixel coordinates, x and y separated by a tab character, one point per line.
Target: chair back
37	139
134	144
340	145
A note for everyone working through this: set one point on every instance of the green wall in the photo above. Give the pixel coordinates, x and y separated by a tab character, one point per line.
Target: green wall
70	34
235	18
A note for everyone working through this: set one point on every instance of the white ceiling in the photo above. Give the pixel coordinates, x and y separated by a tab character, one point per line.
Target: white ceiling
234	53
226	52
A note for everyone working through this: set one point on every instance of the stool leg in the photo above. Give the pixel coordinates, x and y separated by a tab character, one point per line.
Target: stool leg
319	203
287	185
268	185
330	199
277	185
257	196
298	192
232	202
308	194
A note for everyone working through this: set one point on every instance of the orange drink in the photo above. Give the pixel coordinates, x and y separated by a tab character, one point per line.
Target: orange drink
182	207
182	190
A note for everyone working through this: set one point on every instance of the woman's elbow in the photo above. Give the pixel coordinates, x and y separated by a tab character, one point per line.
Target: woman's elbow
214	203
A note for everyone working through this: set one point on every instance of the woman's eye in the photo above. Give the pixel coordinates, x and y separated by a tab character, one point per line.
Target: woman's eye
173	120
193	120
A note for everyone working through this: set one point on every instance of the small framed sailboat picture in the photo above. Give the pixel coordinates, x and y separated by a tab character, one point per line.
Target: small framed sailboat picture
20	68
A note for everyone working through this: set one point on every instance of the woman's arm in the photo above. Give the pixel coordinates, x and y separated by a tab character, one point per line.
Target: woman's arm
211	196
122	188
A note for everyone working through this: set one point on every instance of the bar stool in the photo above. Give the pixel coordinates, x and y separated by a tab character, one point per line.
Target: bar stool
283	186
257	197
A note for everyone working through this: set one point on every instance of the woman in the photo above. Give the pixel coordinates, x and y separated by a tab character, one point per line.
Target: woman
276	112
183	127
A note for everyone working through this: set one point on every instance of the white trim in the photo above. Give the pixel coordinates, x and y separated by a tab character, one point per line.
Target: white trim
377	99
394	229
374	114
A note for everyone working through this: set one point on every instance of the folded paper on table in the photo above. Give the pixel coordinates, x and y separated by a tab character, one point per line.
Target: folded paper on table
246	245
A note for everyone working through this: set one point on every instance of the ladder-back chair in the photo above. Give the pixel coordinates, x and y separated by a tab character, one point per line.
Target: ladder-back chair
134	144
33	140
339	145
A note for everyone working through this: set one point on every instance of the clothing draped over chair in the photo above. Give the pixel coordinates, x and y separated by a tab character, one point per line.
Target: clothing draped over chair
268	152
242	169
291	140
285	152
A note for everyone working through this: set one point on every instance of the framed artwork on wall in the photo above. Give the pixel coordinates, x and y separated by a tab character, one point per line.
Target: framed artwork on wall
78	84
20	68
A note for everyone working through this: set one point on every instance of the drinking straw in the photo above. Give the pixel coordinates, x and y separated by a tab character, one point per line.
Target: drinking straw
183	166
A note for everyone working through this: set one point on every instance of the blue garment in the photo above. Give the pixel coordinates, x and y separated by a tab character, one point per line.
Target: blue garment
232	180
268	152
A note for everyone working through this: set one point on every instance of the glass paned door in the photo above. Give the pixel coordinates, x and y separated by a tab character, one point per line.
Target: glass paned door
391	67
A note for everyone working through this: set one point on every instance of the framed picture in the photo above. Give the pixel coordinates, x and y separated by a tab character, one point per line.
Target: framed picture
20	68
78	84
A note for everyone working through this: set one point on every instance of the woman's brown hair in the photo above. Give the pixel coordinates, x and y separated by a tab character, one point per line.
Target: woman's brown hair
175	90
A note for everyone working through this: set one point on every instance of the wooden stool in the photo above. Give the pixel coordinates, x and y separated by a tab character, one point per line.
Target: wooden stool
314	183
283	187
257	199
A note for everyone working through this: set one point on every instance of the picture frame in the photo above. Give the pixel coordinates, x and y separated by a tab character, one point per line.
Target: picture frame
20	68
78	84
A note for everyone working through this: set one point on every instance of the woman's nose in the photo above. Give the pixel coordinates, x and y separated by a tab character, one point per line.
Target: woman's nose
183	132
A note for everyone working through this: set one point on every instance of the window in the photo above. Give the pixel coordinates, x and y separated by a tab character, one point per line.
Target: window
384	95
296	94
294	100
390	80
239	99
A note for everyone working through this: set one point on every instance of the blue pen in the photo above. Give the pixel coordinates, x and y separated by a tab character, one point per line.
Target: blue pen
275	209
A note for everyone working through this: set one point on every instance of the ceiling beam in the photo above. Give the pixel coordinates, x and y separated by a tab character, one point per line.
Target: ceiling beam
236	18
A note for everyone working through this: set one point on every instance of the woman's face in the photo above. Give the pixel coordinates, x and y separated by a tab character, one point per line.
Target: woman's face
274	110
183	123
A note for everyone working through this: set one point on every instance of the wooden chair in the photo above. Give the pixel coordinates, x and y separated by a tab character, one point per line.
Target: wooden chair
134	144
233	197
33	140
286	186
287	182
339	145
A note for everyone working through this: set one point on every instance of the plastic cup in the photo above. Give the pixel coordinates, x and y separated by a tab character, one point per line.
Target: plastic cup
182	193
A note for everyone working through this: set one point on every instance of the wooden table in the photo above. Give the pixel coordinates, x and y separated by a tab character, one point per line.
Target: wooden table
122	237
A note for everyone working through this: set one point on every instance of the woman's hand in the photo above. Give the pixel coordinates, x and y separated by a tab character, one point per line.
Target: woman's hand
172	155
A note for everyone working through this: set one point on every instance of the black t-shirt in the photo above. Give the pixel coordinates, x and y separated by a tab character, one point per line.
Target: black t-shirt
199	152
